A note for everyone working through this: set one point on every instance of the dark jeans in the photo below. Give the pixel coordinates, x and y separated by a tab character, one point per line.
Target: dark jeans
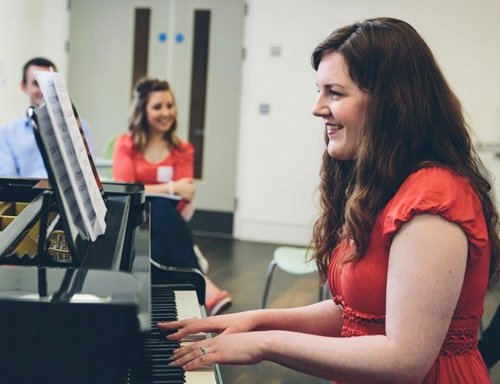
171	238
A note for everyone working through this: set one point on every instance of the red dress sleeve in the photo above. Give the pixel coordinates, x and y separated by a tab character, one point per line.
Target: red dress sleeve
184	161
440	192
123	159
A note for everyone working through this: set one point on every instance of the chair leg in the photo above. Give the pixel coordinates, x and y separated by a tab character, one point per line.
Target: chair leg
323	292
270	271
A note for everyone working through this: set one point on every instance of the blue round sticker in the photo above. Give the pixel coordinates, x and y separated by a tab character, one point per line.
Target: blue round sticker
162	37
179	37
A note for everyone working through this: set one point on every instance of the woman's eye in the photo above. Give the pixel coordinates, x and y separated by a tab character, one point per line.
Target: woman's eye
335	93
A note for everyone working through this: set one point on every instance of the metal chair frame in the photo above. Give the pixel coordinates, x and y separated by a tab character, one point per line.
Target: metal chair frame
323	289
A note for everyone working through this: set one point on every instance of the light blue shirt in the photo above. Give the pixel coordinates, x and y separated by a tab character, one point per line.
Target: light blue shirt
19	152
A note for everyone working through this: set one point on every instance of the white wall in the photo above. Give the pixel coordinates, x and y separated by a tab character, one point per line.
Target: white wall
28	28
280	152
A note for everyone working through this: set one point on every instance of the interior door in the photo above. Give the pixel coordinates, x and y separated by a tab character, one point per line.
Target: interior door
101	72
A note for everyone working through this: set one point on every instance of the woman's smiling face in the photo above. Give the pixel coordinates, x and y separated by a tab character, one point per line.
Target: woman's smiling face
341	104
161	111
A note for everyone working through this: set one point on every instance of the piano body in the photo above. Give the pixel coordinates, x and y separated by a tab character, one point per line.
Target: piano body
89	318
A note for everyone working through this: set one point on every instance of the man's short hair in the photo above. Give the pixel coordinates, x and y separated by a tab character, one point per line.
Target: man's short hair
39	62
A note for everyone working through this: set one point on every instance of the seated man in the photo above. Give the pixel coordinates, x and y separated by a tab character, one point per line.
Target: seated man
19	153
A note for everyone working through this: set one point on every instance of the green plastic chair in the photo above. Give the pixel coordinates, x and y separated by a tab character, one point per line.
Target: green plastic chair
104	164
295	261
110	149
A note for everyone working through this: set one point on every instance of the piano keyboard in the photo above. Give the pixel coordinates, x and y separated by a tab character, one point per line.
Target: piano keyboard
151	365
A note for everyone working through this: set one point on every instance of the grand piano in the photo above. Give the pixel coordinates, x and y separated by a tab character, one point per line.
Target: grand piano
81	311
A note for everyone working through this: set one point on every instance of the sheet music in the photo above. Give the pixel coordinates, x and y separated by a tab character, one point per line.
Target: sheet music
81	152
70	205
69	143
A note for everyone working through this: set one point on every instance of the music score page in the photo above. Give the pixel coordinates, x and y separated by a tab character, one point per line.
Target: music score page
75	171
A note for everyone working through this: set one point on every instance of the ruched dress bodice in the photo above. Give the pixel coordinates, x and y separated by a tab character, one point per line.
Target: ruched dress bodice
360	287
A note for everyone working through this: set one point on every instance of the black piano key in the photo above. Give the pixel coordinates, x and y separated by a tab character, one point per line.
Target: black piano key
151	364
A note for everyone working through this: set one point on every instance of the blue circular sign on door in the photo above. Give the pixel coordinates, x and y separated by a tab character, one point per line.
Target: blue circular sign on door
179	37
162	37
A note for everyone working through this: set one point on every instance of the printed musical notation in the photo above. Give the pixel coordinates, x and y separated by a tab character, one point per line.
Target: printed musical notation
71	165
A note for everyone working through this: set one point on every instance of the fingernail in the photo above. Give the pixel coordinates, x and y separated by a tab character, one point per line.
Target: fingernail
172	364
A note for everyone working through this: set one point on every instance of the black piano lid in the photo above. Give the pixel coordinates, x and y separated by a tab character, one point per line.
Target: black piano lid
82	331
94	286
72	286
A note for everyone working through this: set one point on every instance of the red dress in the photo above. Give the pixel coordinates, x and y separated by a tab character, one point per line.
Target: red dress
129	165
360	287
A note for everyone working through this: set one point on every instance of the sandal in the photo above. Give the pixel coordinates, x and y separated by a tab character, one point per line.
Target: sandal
218	303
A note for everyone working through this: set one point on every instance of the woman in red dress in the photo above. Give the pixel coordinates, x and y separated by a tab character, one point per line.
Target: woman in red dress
407	238
153	154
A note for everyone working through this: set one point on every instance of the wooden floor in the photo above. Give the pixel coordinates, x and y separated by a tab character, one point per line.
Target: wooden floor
240	267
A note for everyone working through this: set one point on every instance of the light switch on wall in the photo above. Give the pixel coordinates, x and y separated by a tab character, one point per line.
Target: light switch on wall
264	109
275	50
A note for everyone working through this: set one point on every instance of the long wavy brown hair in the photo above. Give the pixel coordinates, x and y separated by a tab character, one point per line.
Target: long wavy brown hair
412	120
138	122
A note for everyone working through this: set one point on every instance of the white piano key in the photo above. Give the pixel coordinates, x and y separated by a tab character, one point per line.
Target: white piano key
204	375
201	376
187	305
187	308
